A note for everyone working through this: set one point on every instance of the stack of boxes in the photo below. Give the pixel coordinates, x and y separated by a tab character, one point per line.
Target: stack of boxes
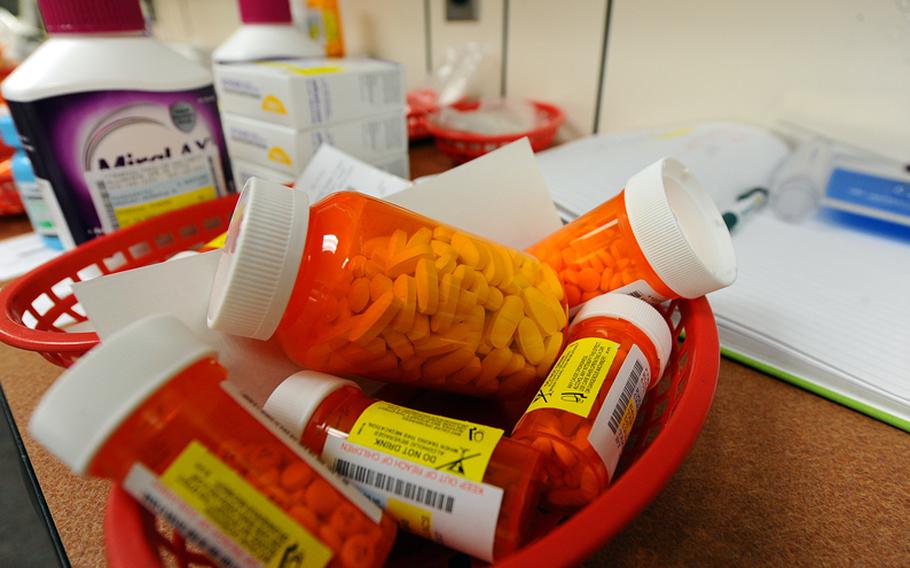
276	114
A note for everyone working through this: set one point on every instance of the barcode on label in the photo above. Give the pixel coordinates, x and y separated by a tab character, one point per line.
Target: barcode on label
627	391
189	533
392	484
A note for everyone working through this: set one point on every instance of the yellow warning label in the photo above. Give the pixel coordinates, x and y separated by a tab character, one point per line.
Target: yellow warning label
413	519
445	444
306	71
576	378
131	214
241	512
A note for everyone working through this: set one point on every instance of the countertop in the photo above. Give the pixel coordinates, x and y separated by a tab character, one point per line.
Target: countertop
779	476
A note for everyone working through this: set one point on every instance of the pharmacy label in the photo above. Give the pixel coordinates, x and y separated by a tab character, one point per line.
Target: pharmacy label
240	511
447	445
451	510
617	414
575	381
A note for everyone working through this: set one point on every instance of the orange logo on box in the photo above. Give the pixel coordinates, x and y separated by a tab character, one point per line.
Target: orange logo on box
271	104
278	155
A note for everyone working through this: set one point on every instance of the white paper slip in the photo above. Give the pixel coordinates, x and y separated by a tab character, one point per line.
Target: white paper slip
501	196
20	254
332	170
182	288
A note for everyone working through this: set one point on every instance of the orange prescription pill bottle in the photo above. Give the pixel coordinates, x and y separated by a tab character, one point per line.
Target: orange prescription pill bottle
150	408
660	238
357	286
459	483
581	417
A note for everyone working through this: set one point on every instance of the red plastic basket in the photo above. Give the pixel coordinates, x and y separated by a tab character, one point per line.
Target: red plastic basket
666	429
464	146
35	305
421	102
667	426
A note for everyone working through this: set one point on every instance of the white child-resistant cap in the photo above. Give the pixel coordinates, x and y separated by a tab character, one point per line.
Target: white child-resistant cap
679	229
639	313
260	260
295	400
93	397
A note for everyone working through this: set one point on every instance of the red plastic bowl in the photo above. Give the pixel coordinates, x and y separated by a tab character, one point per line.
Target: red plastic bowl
667	427
464	146
35	305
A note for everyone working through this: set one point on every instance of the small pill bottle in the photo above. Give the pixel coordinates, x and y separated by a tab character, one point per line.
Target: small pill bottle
357	286
150	408
617	350
660	238
461	484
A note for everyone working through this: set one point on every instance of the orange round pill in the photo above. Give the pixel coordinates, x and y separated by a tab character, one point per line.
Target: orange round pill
321	497
357	551
296	476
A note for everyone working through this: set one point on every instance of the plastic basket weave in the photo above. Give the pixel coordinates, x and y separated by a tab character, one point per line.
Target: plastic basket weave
37	304
667	427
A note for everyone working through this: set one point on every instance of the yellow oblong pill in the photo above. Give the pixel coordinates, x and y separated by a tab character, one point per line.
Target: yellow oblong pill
483	252
398	240
370	323
494	363
405	262
441	248
466	249
421	237
480	288
505	321
449	293
443	366
538	309
552	345
379	285
494	299
548	279
398	343
466	274
427	280
435	345
405	290
420	329
466	302
445	264
359	295
530	341
506	264
515	364
467	373
443	233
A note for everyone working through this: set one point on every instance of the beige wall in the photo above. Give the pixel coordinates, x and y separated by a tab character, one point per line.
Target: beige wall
838	65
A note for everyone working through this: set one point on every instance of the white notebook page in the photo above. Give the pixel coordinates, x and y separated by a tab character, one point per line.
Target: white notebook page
834	294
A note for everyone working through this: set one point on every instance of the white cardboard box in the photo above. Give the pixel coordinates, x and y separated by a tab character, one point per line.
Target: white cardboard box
287	150
244	170
307	92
